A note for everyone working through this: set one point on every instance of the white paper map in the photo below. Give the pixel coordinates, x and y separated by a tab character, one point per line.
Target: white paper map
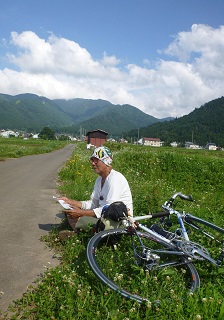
65	205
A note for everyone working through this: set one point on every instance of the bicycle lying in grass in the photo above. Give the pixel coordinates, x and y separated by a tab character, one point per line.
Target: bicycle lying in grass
150	263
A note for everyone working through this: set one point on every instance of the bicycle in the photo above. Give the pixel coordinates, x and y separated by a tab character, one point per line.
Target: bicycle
145	263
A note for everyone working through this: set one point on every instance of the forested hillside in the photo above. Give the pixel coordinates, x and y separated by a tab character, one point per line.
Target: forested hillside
114	119
203	125
30	112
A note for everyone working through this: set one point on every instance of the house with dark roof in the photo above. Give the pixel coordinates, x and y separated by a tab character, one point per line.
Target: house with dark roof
96	137
211	146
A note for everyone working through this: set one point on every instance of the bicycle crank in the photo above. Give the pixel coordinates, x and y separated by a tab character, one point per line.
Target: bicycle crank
194	250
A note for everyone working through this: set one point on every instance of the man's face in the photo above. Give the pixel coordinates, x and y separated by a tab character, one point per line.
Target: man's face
98	166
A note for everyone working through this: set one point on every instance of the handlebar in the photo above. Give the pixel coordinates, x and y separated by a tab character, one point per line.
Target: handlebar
167	207
181	195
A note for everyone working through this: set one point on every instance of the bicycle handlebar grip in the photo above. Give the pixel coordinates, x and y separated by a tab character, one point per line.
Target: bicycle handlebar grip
189	197
160	214
182	196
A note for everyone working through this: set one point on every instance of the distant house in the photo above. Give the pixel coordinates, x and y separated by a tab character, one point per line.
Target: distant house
174	144
9	133
153	142
111	140
122	140
96	137
211	146
191	145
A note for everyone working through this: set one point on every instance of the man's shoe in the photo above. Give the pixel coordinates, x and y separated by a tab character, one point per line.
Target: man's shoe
66	234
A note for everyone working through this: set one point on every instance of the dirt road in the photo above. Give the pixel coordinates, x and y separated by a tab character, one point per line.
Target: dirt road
27	212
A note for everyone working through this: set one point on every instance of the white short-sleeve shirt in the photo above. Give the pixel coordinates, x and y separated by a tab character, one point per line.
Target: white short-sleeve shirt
115	188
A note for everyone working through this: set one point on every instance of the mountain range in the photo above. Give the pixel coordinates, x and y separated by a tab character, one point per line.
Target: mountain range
30	112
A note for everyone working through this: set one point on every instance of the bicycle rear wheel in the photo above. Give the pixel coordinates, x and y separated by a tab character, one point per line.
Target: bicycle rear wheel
117	258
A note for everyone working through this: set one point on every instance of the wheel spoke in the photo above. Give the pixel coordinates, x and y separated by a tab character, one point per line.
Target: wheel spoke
149	274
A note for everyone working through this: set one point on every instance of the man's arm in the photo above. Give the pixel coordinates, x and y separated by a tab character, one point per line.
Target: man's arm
77	213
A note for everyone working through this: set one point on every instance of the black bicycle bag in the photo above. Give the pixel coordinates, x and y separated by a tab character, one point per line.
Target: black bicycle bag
116	211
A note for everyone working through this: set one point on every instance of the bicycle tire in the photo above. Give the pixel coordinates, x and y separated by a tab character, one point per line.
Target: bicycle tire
111	257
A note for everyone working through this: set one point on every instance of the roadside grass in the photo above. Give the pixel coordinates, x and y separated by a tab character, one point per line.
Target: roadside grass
18	147
71	291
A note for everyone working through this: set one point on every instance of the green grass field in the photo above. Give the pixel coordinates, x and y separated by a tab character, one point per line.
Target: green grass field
71	291
18	147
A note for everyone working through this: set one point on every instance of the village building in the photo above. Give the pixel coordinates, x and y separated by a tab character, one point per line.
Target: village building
9	133
122	140
191	145
96	138
211	146
174	144
153	142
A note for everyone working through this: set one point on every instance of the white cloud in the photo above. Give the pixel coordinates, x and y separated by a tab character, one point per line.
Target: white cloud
60	68
109	60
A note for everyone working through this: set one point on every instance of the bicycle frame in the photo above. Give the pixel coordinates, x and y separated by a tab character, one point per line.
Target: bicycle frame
190	219
137	250
198	252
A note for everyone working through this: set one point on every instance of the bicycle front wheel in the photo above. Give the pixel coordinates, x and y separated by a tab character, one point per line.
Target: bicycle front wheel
146	270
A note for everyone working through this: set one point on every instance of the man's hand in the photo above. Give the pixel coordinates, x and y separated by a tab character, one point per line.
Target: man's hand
75	212
73	203
65	199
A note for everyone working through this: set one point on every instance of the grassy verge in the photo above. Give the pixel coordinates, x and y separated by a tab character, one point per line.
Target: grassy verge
18	147
71	291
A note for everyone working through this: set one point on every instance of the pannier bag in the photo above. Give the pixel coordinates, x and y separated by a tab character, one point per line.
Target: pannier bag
112	216
116	211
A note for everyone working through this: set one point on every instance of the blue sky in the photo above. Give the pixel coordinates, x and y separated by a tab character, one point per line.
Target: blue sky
165	57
